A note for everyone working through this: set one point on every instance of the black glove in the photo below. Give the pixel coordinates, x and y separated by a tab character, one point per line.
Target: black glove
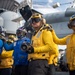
30	49
26	47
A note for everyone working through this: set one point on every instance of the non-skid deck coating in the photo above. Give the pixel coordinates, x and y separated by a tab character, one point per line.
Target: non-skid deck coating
62	73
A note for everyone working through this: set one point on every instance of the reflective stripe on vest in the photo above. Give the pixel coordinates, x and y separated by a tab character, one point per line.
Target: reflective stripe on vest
39	33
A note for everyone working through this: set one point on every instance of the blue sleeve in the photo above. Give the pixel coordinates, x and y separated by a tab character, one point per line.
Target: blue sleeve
1	43
8	47
1	46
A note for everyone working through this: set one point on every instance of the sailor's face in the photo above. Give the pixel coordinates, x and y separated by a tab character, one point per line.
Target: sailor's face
36	25
36	22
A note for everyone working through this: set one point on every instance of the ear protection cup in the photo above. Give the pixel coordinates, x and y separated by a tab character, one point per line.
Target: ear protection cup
43	21
69	25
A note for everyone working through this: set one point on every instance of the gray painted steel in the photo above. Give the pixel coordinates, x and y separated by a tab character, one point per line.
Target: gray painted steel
9	4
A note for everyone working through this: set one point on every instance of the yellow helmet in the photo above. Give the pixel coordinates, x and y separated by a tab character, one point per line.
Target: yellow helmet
36	15
11	38
72	17
71	22
10	41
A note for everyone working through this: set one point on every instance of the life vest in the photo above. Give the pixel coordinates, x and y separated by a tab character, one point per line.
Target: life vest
6	59
38	42
70	52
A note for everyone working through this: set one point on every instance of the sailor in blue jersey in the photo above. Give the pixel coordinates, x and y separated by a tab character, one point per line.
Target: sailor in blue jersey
20	57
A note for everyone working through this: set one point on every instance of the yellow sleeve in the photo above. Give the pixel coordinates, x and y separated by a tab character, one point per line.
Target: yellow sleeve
61	41
48	43
56	50
6	54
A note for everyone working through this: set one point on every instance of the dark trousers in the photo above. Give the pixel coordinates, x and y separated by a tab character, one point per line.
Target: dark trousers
51	69
38	67
6	71
72	72
21	70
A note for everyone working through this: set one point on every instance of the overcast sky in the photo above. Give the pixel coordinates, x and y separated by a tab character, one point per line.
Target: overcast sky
50	2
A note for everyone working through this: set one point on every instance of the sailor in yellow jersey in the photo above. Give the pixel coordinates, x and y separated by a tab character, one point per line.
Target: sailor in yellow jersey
69	40
42	46
6	61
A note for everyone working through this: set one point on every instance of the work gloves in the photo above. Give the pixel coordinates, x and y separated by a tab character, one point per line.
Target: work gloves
30	50
26	47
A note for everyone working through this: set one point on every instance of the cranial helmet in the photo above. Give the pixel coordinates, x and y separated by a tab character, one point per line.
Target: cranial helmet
11	38
36	15
71	22
72	17
21	33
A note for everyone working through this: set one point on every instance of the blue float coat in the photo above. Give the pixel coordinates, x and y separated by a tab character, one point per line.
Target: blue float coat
20	57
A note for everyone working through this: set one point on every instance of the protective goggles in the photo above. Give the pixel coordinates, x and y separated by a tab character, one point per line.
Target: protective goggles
35	20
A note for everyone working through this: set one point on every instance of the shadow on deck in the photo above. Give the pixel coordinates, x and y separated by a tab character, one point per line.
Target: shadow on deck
62	73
